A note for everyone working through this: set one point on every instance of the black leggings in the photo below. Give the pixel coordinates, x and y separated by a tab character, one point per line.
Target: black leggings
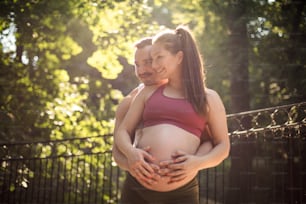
134	193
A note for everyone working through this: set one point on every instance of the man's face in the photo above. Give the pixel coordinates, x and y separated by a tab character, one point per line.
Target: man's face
143	66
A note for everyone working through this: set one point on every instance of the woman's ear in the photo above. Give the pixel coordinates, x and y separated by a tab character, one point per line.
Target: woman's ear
179	56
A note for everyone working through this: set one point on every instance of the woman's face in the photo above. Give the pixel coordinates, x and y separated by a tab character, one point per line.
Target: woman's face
163	61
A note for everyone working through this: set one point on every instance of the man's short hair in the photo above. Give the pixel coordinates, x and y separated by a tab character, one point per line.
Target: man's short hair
143	42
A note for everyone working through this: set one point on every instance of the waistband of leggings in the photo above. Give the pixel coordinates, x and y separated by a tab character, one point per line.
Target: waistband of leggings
192	182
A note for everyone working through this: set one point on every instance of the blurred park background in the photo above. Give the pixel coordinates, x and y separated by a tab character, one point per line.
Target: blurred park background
65	65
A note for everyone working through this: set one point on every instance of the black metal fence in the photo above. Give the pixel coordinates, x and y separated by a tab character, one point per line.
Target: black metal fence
267	164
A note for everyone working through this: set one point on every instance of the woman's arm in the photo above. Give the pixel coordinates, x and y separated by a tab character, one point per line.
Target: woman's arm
129	123
136	157
217	123
121	111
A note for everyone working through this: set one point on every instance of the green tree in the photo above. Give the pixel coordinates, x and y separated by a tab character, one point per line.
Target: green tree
278	62
57	77
260	44
59	63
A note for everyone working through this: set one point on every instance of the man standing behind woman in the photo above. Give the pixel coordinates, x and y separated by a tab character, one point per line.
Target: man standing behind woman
174	115
148	77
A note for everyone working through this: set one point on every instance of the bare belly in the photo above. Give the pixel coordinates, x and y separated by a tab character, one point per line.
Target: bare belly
164	140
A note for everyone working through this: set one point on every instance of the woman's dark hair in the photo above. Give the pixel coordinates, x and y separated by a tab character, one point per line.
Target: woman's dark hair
181	39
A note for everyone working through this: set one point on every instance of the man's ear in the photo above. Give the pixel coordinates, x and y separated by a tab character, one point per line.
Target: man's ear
179	56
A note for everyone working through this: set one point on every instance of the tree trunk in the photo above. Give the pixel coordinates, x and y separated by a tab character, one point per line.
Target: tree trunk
238	53
242	154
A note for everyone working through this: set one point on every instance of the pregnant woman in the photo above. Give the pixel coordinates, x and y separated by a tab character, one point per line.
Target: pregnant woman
174	116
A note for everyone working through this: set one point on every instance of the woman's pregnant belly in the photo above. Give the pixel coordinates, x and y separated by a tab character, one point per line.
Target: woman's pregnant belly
164	140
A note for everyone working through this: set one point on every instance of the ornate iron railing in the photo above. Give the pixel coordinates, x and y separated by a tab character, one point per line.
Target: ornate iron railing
268	156
267	164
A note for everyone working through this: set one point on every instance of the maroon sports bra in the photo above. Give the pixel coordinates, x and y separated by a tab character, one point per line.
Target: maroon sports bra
160	109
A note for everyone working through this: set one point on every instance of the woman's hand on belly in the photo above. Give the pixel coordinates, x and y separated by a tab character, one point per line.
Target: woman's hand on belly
170	174
181	166
143	176
141	163
165	140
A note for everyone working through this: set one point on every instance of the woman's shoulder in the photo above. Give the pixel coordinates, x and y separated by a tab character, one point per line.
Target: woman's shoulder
147	91
214	100
211	94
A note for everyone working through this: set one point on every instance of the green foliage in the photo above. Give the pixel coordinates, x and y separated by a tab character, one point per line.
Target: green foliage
280	51
58	71
59	61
